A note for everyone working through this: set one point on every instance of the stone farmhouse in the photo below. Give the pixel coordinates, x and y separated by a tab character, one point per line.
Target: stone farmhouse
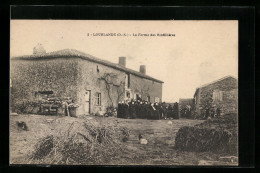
94	84
222	94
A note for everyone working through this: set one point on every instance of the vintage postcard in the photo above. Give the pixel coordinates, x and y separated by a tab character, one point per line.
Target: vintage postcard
124	92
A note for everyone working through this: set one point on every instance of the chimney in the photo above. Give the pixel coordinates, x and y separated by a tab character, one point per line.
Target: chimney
142	69
122	61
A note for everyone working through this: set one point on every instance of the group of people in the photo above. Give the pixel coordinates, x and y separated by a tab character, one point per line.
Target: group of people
211	112
146	110
186	111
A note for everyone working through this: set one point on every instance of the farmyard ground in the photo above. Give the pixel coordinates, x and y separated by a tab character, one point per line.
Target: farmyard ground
159	133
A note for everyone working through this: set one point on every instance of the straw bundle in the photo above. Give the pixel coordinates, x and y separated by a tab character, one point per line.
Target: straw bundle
80	143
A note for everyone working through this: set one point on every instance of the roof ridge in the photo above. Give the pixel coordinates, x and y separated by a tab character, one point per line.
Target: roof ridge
85	56
216	81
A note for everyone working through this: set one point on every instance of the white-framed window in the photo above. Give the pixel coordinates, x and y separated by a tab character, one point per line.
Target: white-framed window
127	80
217	95
98	99
128	95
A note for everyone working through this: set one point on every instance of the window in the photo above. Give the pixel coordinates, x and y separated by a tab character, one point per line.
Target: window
43	94
217	95
97	69
156	99
127	82
98	99
128	94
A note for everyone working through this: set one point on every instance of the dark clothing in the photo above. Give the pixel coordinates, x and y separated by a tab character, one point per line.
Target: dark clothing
138	110
170	112
142	111
157	112
125	111
132	111
164	110
151	113
119	110
147	114
176	111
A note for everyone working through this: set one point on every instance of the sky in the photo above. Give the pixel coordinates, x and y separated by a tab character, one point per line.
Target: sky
199	53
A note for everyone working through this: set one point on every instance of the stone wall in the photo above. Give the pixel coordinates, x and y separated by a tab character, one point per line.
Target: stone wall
29	76
145	88
112	85
72	77
229	103
100	79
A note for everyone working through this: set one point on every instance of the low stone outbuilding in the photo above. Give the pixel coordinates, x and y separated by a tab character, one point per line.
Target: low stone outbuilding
221	94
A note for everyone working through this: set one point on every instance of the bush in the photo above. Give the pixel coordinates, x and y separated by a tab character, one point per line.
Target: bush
22	106
216	135
111	111
204	139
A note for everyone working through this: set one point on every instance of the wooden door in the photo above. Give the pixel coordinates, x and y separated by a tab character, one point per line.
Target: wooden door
87	102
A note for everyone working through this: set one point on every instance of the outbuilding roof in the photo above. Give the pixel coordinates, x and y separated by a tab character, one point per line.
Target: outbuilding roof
72	53
197	89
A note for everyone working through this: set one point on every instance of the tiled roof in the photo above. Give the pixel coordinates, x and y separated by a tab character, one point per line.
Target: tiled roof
72	53
197	89
217	81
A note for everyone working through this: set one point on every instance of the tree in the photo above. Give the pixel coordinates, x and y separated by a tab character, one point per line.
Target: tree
110	82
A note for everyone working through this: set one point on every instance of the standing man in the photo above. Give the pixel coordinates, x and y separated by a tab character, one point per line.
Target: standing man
125	110
176	111
138	109
170	111
164	110
132	110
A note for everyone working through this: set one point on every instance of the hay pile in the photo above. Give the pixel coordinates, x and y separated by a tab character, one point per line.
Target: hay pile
81	143
219	135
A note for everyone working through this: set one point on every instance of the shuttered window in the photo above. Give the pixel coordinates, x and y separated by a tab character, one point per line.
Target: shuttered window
217	95
98	99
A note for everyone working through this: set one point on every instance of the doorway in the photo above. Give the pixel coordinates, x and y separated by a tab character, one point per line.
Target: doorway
87	97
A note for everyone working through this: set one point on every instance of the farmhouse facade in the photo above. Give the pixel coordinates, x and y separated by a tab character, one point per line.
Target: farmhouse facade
221	94
92	83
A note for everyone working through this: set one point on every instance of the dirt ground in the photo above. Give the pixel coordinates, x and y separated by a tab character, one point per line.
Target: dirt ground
159	133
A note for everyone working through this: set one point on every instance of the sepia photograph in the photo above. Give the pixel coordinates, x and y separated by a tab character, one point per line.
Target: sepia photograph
124	92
